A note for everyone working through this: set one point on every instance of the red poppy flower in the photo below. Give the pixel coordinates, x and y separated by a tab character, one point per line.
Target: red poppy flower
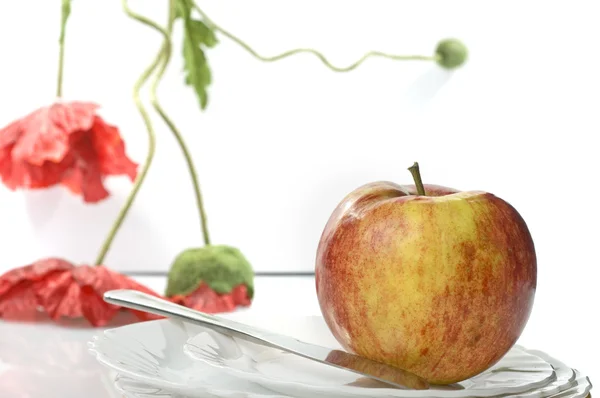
207	300
66	143
62	289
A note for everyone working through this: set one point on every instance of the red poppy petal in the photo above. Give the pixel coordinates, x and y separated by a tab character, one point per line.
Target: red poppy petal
99	278
24	175
94	308
20	174
93	190
10	134
111	280
33	272
85	275
240	295
52	291
96	281
70	306
125	282
42	267
5	163
46	131
146	316
86	183
206	300
85	176
202	299
74	116
110	148
19	303
41	140
225	303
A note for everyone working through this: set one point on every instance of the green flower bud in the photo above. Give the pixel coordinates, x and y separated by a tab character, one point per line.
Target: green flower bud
221	267
452	53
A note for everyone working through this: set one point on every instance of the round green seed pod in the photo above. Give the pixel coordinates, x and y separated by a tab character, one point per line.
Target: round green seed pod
452	53
220	267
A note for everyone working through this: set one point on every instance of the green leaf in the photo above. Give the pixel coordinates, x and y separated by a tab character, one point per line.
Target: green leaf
202	33
197	73
197	36
183	8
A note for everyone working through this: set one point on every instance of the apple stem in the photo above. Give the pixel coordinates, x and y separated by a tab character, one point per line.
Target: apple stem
414	170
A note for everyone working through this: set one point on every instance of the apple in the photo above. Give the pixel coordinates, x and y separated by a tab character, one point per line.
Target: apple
432	280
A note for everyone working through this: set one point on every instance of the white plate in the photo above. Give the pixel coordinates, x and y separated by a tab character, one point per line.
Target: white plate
519	371
178	359
131	388
152	353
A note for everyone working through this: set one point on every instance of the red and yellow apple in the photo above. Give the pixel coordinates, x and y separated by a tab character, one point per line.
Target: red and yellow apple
440	285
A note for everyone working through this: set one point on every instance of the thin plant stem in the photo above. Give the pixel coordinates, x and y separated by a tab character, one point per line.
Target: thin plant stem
416	173
316	53
151	141
166	57
64	17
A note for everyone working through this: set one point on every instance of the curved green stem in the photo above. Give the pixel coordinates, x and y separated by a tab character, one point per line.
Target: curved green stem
151	141
166	57
64	17
319	55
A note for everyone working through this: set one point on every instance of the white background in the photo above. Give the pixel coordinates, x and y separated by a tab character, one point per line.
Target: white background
280	144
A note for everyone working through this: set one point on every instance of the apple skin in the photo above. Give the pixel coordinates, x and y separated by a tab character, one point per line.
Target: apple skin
440	285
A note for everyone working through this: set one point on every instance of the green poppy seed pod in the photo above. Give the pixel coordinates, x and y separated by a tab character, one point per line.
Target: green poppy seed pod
452	53
220	267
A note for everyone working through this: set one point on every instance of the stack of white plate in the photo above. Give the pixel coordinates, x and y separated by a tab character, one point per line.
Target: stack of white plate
173	359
